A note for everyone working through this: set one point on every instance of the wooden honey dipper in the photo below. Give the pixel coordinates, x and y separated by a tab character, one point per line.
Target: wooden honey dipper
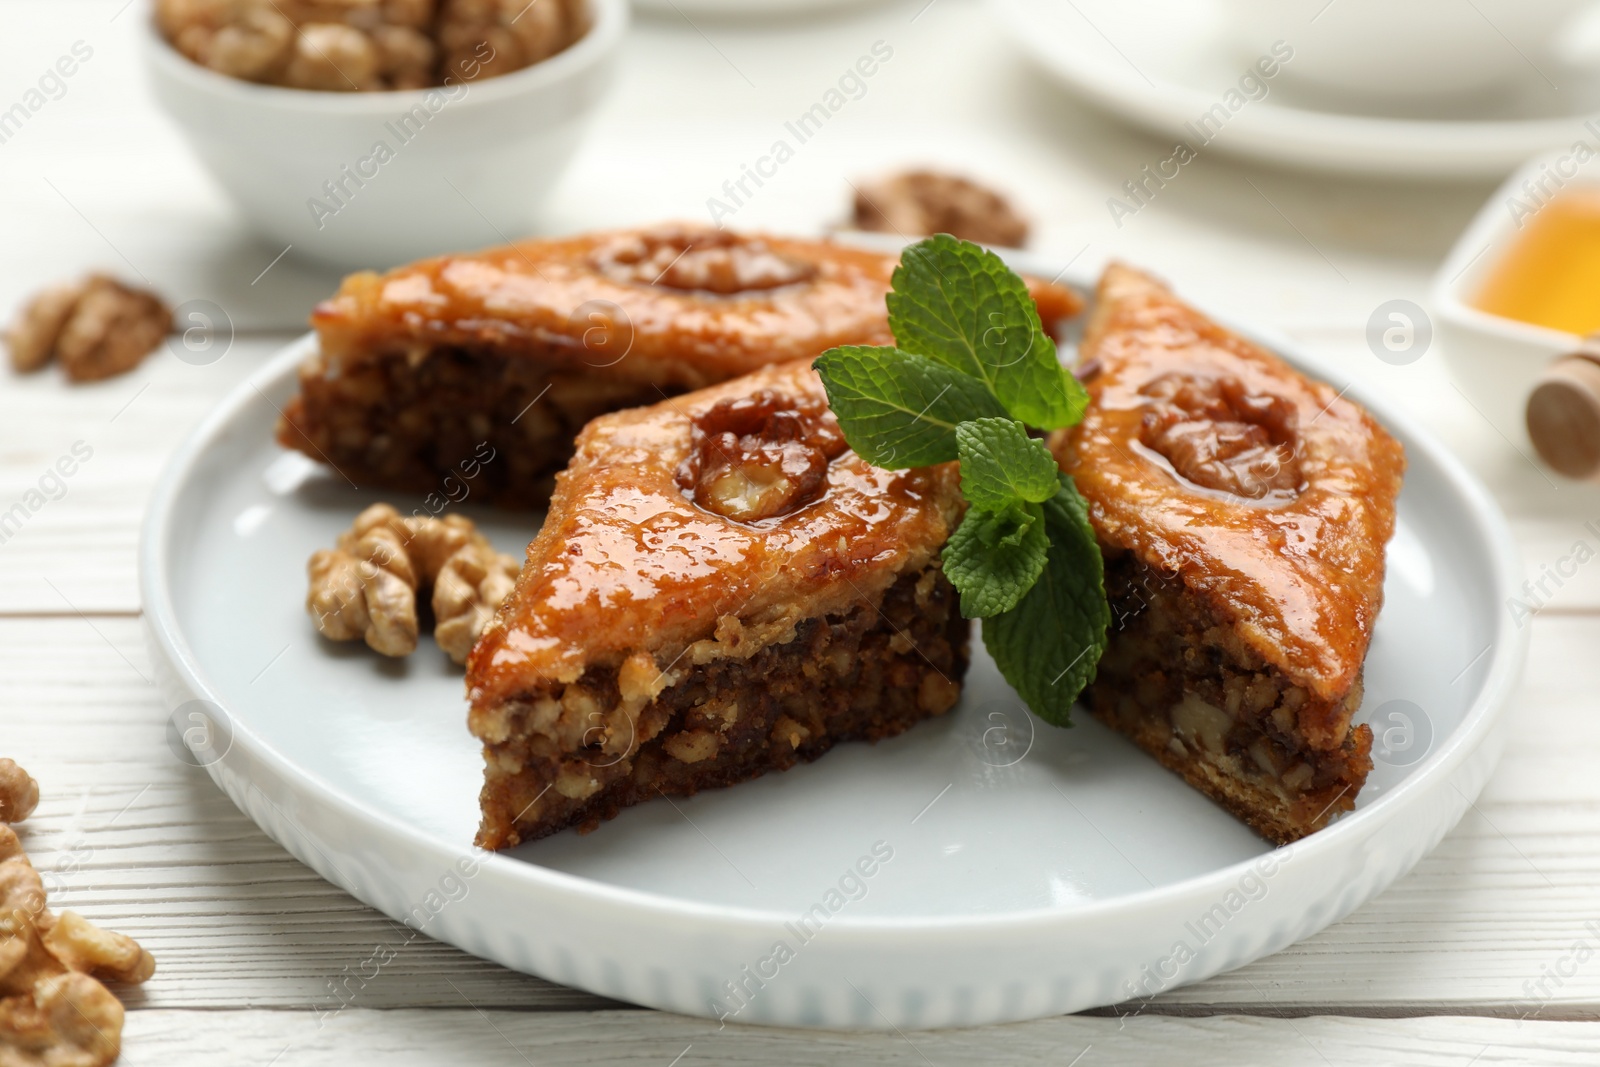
1563	412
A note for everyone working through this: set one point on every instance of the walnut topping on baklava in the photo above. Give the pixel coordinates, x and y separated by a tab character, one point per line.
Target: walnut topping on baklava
760	456
712	261
1220	436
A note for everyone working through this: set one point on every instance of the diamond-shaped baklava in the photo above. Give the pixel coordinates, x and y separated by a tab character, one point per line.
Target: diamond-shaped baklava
721	588
1243	511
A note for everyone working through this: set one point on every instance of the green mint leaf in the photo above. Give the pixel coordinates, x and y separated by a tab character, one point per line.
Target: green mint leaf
995	556
959	304
1049	645
1000	463
898	410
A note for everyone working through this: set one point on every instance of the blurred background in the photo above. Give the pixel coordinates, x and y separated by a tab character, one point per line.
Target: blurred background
1305	208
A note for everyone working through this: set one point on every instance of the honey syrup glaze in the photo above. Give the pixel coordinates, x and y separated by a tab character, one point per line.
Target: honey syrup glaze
1212	459
674	304
632	557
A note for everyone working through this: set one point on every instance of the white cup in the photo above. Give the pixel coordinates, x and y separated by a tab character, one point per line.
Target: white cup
1408	51
464	165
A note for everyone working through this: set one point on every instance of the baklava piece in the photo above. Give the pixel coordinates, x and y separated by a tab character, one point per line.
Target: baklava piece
516	348
1243	511
721	589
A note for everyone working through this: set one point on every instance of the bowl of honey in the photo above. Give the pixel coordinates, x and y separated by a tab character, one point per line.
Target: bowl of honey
1521	288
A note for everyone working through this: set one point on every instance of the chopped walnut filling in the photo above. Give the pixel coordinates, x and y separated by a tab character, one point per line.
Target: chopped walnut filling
1222	438
366	45
706	260
96	328
760	456
921	202
367	586
53	1010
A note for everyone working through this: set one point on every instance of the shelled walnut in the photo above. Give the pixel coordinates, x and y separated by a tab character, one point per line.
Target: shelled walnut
95	328
921	202
367	586
760	456
1221	437
518	33
19	793
368	45
54	1012
696	257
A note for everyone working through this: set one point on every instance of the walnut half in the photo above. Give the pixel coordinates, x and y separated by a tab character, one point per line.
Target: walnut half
19	793
1221	437
701	259
760	456
921	202
96	328
488	38
54	1012
367	586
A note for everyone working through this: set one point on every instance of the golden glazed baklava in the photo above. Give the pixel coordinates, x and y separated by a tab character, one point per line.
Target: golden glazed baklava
514	349
1243	510
721	589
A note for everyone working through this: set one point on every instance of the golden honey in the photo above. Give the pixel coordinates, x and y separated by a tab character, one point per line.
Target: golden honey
1551	274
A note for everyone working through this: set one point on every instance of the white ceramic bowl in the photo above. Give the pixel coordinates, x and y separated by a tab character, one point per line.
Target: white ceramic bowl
1494	360
464	166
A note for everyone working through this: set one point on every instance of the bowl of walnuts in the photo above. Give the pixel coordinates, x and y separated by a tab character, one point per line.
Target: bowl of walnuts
364	133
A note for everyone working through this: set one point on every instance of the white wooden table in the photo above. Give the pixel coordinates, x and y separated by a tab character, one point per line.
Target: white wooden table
1488	953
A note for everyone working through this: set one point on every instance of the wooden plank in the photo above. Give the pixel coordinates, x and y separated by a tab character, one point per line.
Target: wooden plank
146	844
653	1039
82	533
132	836
100	178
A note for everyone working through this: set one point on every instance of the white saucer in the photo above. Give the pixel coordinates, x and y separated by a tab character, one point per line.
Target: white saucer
1016	870
740	9
1163	63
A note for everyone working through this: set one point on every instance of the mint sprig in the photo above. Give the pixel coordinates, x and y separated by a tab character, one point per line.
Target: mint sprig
995	555
973	371
1048	646
1001	463
902	409
959	304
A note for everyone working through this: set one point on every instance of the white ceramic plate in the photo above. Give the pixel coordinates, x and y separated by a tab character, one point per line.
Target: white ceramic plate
1014	871
1164	63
